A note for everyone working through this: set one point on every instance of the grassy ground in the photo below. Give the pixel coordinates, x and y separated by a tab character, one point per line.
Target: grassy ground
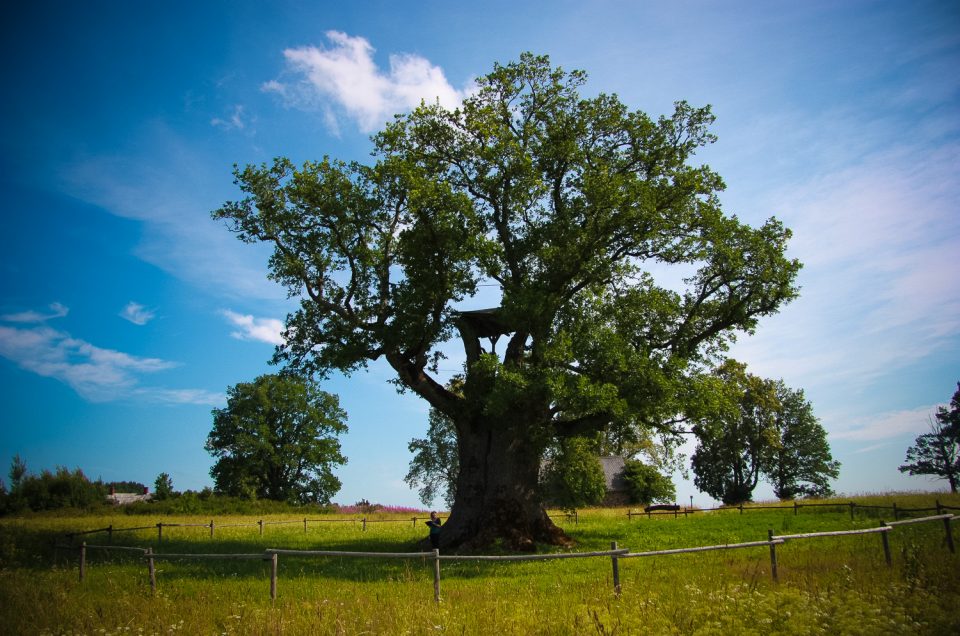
827	586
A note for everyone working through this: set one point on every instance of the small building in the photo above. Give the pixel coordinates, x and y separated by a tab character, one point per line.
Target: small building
124	498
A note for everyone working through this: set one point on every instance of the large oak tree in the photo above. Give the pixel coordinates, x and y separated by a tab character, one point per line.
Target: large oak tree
568	203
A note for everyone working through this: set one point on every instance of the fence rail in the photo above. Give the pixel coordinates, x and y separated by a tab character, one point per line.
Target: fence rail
615	554
796	506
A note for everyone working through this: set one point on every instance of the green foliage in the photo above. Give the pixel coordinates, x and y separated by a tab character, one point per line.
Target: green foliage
646	485
61	488
276	439
163	487
573	477
937	453
436	463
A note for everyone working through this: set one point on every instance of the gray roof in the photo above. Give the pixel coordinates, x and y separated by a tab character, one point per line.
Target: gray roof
613	473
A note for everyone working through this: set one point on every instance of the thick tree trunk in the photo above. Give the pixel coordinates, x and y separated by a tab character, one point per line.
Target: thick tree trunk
497	498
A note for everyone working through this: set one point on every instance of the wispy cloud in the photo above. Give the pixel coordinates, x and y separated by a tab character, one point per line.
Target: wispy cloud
199	397
31	316
267	330
346	76
886	426
171	191
137	313
235	121
879	244
95	373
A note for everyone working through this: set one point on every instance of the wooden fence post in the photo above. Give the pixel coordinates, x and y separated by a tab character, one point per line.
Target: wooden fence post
576	518
773	556
274	563
83	560
796	507
110	534
616	569
152	571
851	510
304	525
211	528
886	544
895	516
946	526
364	524
939	508
741	508
436	574
160	532
261	527
414	522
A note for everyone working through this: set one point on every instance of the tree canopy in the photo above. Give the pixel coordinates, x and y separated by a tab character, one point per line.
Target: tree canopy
568	204
276	439
755	428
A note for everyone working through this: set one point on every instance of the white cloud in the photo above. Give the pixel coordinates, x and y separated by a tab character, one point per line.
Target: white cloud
137	313
57	311
267	330
95	373
347	75
234	122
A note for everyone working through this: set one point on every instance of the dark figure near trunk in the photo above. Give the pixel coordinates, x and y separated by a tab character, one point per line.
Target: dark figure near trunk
434	525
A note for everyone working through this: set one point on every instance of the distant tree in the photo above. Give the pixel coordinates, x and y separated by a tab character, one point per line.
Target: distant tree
436	462
573	477
125	486
801	463
162	487
646	485
61	488
276	439
18	470
937	453
735	435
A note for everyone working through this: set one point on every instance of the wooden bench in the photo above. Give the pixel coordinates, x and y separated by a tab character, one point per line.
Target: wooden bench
662	507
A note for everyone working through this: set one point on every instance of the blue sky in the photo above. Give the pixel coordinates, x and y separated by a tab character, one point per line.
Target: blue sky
126	312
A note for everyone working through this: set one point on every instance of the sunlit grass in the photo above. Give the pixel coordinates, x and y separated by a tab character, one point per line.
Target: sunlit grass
830	586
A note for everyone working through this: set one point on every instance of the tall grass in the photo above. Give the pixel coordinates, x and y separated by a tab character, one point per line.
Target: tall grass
827	586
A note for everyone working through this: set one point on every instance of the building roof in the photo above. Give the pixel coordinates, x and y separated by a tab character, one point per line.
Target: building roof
613	473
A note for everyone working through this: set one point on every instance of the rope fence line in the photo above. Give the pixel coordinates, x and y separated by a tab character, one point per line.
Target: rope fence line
676	510
615	554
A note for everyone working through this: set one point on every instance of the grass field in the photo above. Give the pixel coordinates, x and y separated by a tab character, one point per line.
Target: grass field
836	585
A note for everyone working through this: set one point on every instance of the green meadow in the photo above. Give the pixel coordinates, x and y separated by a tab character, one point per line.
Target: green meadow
829	585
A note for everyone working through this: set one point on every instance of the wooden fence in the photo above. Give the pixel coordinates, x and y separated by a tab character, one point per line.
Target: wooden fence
615	553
